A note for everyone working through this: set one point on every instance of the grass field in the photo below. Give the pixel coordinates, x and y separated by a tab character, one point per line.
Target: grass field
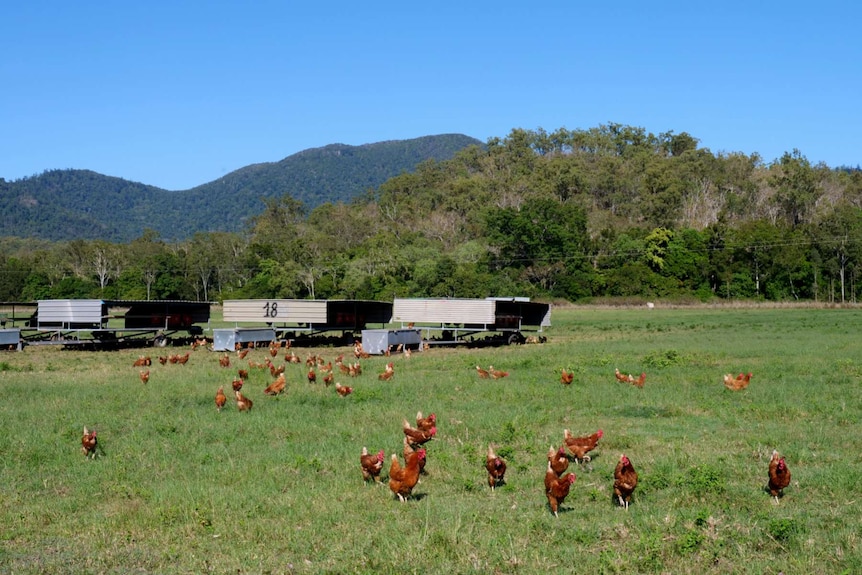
182	488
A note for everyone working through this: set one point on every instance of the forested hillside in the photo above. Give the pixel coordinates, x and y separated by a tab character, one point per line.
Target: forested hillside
610	212
81	204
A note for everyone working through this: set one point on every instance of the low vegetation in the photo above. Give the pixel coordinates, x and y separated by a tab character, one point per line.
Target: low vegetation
182	488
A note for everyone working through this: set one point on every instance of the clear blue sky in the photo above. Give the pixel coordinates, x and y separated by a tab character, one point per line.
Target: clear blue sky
178	93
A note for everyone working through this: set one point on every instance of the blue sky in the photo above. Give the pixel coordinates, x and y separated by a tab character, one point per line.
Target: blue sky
177	94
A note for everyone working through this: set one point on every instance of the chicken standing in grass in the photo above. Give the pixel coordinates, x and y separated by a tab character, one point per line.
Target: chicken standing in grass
737	383
581	446
402	480
418	436
145	375
557	488
220	398
566	377
425	423
89	443
558	460
242	402
625	481
371	465
497	373
496	468
779	476
483	373
277	386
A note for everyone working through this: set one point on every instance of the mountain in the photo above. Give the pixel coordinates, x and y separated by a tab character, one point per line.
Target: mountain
81	204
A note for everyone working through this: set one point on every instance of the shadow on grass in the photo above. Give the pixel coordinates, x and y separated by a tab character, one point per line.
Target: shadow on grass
647	411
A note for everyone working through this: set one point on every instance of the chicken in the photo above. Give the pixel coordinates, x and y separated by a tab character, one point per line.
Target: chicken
291	357
142	361
273	350
639	382
737	383
89	443
779	476
312	376
220	398
621	377
496	468
163	359
173	358
418	436
328	379
343	390
402	480
371	465
483	373
224	361
581	446
277	386
387	373
183	359
236	384
242	402
496	373
242	373
145	375
408	450
242	353
358	352
425	423
558	460
557	488
566	377
625	481
354	370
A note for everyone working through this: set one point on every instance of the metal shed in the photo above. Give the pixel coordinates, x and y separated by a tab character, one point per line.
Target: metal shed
113	323
227	339
71	314
309	316
457	318
377	341
10	339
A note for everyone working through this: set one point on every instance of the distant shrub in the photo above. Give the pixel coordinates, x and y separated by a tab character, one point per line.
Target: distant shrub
689	542
705	479
783	529
666	358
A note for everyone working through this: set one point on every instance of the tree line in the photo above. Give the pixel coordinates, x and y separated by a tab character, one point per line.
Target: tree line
607	212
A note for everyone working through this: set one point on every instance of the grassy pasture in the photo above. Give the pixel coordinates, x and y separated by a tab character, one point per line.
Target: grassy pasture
185	489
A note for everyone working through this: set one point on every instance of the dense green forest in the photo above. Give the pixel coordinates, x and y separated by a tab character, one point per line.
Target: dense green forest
66	205
607	212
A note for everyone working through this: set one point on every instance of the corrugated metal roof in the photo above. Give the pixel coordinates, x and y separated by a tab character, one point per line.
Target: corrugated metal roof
456	311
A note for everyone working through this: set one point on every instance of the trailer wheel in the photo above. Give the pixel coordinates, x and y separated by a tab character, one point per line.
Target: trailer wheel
160	341
516	339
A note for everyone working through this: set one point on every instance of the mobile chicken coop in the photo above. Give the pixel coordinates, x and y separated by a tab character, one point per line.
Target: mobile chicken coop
109	324
454	320
292	319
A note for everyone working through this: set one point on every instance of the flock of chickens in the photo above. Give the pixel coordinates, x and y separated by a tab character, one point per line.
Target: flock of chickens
402	479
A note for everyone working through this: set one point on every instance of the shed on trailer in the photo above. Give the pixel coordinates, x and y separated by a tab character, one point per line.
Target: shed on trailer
312	316
228	338
377	341
71	314
456	318
165	314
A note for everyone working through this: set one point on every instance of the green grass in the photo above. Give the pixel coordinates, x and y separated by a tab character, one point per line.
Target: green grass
185	489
